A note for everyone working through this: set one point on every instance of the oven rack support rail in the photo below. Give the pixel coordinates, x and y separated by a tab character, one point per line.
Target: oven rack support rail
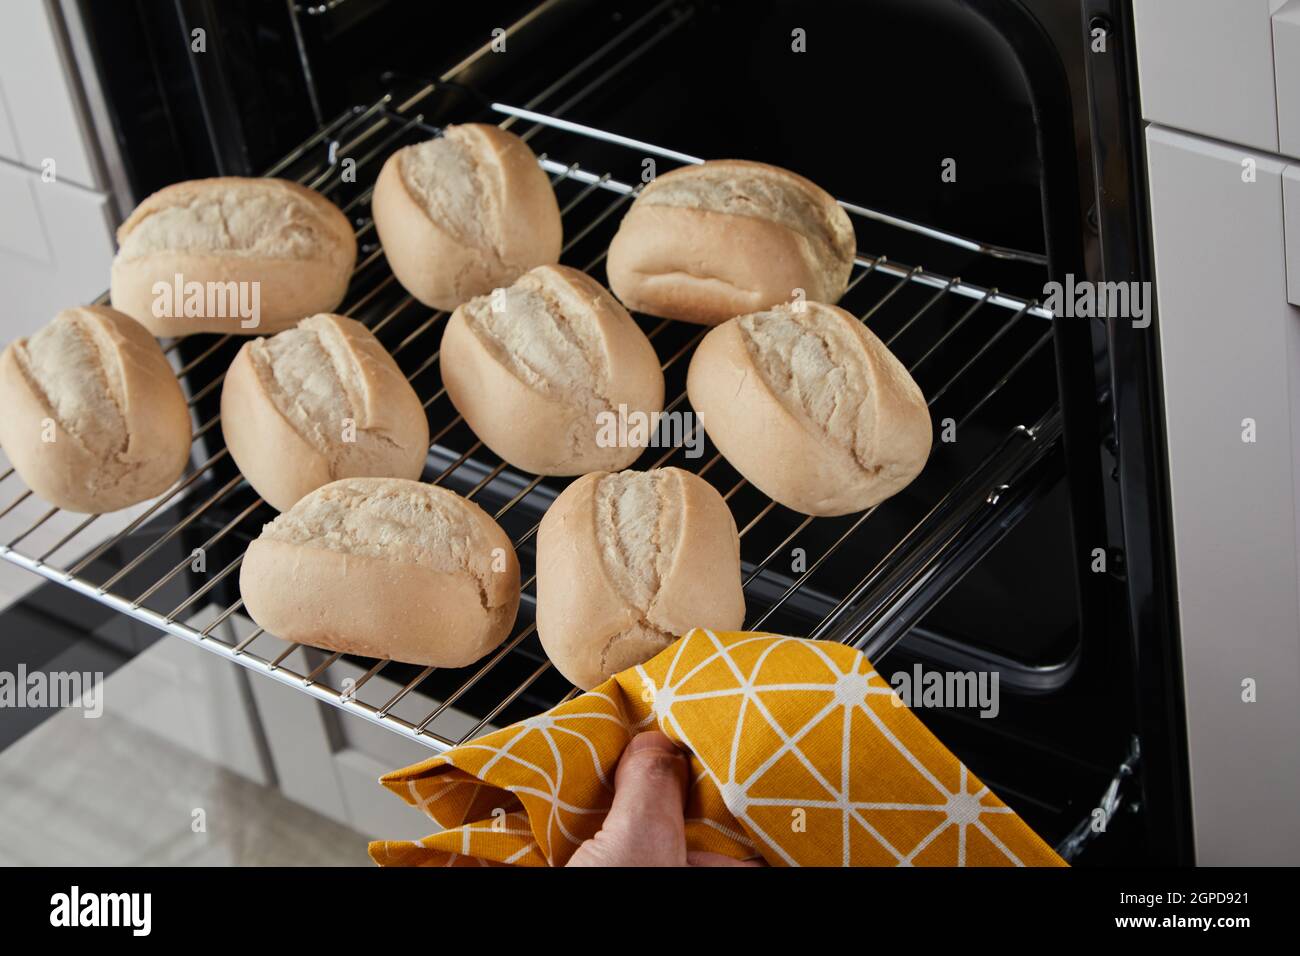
918	568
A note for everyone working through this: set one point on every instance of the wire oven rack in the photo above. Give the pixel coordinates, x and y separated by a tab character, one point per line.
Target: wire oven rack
862	579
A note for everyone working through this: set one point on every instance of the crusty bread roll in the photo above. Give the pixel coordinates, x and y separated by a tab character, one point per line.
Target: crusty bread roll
551	371
93	418
266	242
807	404
629	562
465	213
316	403
709	242
387	568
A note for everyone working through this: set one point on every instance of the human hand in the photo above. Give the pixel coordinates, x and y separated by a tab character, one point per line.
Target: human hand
646	824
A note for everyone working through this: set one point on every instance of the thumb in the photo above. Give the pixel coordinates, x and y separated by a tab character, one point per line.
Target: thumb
649	786
645	825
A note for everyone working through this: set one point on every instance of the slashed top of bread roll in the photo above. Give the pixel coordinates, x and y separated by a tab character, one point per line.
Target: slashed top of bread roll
627	563
231	255
317	402
255	218
74	364
464	213
811	407
728	237
543	330
385	567
759	191
456	187
398	521
638	532
815	364
312	376
122	429
544	368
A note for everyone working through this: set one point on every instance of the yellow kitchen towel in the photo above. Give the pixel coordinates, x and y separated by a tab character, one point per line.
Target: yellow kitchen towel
799	753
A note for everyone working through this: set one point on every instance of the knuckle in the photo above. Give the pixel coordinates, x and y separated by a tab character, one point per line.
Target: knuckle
655	763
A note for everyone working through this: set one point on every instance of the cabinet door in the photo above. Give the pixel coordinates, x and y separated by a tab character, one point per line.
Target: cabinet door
1230	346
1286	72
39	95
1207	66
56	248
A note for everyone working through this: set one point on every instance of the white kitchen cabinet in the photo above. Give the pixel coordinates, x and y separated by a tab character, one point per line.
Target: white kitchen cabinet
1207	66
1286	71
1230	347
56	234
1291	215
8	135
41	98
56	248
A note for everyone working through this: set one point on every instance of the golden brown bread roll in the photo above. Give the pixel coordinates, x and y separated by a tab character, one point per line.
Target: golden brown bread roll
807	404
629	562
545	370
462	214
263	253
387	568
318	402
709	242
94	419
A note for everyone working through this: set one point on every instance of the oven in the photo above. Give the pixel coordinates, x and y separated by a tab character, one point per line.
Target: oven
987	152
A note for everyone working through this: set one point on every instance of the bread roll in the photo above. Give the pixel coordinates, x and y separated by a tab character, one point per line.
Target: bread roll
386	568
264	253
550	373
93	417
316	403
465	213
629	562
810	407
709	242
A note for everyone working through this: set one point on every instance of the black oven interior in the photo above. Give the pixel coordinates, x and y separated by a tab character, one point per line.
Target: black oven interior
884	102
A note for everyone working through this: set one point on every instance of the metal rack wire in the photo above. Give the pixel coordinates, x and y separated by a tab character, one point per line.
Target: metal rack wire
966	344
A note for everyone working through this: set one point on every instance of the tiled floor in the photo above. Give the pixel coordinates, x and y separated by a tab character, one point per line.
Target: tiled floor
106	792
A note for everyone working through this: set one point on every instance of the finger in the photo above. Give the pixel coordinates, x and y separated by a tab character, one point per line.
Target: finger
650	786
645	825
705	858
